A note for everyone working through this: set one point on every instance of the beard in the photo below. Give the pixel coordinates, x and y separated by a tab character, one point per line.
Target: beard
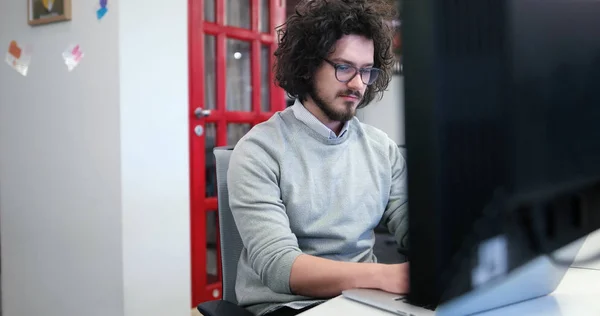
329	110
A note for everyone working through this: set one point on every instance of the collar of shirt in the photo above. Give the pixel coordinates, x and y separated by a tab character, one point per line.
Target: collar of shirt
313	122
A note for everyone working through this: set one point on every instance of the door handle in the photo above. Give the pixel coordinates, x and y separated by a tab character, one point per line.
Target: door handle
200	112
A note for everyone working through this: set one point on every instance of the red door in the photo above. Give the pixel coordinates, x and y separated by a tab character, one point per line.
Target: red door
231	45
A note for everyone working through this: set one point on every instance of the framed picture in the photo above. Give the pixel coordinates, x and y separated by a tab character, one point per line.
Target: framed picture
48	11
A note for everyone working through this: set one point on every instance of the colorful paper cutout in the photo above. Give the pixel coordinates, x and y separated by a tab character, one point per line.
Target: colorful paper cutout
18	57
14	49
100	13
72	56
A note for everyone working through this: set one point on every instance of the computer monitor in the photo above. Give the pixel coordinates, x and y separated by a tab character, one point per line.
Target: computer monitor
502	119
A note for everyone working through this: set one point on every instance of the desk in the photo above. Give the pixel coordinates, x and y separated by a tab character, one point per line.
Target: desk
578	294
590	248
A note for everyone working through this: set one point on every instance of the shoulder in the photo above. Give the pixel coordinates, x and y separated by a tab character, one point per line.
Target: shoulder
381	143
377	138
264	142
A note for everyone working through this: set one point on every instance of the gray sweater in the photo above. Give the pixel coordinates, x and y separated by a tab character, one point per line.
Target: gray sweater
292	191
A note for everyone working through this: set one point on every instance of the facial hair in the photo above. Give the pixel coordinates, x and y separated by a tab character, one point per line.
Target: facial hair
328	109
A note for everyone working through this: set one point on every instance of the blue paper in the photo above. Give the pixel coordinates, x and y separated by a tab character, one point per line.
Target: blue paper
101	12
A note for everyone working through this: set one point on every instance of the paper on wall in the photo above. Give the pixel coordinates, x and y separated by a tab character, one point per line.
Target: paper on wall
101	12
18	57
72	56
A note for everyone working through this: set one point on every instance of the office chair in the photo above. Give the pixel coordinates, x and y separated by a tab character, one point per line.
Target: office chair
231	245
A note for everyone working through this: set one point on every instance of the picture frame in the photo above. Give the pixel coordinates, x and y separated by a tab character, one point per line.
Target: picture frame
41	12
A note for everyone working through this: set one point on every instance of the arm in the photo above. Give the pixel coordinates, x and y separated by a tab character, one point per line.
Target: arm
323	278
395	216
259	212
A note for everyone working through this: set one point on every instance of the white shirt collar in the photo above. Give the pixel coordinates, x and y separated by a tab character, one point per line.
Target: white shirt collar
313	122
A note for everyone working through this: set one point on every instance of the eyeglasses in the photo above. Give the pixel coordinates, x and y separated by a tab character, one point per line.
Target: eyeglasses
345	73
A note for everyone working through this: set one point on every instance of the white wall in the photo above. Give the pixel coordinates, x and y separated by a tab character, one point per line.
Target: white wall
94	199
388	114
154	156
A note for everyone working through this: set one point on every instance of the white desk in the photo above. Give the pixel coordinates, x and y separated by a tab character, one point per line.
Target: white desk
578	294
590	248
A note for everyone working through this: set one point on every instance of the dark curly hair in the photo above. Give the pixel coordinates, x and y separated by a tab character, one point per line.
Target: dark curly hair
309	35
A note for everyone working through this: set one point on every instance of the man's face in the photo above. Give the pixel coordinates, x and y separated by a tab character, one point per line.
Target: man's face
339	100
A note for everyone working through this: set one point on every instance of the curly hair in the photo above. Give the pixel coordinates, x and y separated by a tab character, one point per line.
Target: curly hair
309	35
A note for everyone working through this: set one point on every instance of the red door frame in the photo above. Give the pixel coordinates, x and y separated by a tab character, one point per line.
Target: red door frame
202	288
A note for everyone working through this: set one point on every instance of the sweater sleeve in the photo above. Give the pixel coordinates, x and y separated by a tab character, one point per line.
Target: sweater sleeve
395	215
259	212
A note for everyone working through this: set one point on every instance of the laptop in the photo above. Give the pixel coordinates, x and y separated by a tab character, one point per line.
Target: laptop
394	303
537	278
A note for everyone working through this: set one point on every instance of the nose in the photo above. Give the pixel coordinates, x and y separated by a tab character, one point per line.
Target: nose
356	83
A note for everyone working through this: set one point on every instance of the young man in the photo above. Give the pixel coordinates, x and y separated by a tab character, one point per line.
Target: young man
308	186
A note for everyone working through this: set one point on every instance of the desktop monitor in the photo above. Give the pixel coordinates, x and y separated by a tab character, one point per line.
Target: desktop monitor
502	119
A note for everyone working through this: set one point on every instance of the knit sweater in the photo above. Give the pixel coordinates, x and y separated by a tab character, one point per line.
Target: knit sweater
293	191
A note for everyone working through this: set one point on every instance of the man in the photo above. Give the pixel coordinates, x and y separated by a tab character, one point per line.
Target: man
308	186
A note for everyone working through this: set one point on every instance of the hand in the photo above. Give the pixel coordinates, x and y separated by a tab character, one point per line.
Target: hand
394	278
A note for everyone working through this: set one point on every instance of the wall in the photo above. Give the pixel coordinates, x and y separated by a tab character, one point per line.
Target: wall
94	201
388	114
59	169
153	59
